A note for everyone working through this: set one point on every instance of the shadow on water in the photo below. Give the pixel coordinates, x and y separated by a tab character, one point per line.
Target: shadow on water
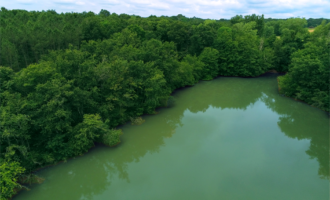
103	164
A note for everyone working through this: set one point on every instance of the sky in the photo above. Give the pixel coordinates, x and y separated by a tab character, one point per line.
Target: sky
206	9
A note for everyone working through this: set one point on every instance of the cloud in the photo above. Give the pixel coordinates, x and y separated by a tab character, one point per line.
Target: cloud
64	2
213	9
26	2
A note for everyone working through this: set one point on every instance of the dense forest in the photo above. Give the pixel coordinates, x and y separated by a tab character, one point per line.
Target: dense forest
68	80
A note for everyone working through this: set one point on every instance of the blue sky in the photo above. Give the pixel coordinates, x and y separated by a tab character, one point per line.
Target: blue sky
212	9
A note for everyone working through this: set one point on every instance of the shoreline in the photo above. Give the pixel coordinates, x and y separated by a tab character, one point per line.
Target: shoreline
96	144
299	100
24	187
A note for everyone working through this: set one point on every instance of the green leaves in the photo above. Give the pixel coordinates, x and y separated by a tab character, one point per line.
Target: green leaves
9	172
197	66
209	56
297	25
84	134
308	77
241	52
203	36
111	137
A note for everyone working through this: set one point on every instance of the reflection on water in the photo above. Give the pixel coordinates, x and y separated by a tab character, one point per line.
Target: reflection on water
230	138
299	124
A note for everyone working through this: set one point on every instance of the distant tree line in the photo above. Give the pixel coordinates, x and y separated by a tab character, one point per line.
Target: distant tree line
312	23
68	80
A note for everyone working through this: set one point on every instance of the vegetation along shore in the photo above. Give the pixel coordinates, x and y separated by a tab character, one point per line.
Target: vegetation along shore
68	80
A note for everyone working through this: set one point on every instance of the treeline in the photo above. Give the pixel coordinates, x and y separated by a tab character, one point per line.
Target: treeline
315	22
67	80
311	22
25	36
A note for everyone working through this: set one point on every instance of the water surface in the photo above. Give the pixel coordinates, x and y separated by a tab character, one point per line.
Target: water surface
230	139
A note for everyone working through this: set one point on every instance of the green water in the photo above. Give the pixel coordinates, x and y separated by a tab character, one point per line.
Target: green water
229	139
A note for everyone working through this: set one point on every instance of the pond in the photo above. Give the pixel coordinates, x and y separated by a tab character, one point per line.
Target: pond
229	138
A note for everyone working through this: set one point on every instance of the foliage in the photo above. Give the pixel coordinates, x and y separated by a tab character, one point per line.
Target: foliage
111	138
315	22
137	120
308	77
209	56
9	173
293	35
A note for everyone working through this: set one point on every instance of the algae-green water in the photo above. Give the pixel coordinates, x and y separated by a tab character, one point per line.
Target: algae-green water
229	139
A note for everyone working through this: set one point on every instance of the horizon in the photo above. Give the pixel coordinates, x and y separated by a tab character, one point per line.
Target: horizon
96	13
214	9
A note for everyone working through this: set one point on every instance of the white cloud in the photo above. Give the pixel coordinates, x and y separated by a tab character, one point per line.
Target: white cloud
64	1
80	3
26	1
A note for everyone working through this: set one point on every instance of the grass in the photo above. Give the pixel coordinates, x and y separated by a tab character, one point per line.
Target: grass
311	30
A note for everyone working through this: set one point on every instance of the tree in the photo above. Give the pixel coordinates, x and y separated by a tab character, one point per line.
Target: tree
209	57
203	36
179	33
308	77
104	13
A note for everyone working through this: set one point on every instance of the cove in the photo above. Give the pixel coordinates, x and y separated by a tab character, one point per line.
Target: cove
229	138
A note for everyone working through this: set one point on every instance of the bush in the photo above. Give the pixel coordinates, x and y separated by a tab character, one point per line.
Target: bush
9	173
111	138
